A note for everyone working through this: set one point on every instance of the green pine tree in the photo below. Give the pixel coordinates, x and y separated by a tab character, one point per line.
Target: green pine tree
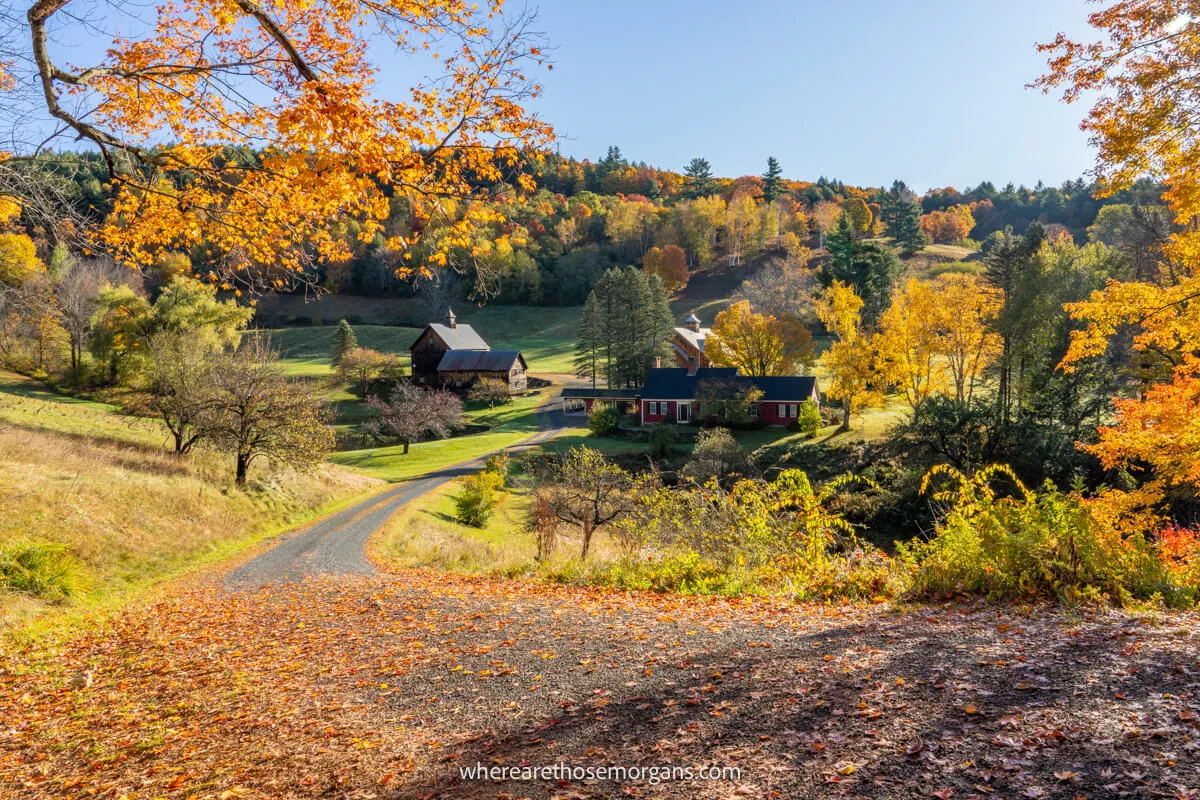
627	322
698	179
902	218
871	268
344	339
772	180
590	345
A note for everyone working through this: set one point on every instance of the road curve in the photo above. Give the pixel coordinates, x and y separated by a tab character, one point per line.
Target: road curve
337	544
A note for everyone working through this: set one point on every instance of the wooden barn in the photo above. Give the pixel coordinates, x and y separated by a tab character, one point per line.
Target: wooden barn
449	354
461	368
687	345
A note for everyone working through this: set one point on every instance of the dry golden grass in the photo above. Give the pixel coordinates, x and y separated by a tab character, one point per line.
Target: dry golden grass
425	533
129	513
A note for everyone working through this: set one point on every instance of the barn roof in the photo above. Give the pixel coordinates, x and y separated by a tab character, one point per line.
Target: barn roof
480	360
460	337
695	338
674	383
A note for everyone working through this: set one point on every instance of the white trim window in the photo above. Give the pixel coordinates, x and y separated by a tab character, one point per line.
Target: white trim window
794	410
683	412
754	410
652	408
781	410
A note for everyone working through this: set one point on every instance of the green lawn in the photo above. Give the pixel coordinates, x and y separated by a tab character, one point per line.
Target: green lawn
392	464
545	336
30	404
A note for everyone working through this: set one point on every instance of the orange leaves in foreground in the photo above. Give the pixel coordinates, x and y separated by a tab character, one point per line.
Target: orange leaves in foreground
1144	124
384	687
277	122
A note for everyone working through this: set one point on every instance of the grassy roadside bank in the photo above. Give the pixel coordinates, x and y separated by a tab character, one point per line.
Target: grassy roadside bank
93	510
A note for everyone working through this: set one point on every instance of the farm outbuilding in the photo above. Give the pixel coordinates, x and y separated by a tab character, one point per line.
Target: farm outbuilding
461	368
449	354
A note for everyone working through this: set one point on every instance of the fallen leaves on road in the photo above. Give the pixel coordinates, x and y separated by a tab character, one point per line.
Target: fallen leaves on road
384	688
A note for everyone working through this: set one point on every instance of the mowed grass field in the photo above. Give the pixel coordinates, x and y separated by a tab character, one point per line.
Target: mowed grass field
545	336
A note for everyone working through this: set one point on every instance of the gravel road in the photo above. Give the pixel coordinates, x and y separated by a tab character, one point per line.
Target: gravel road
336	545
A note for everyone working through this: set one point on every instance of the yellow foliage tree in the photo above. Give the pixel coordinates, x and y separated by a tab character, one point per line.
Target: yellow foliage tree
1144	123
850	360
909	343
758	344
966	307
275	128
18	259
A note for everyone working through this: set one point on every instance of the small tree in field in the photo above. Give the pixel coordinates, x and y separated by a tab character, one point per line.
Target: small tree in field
490	391
809	419
477	498
586	491
344	340
179	388
359	367
255	412
411	414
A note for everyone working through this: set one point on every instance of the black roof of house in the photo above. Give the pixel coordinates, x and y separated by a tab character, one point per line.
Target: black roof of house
588	393
674	383
480	360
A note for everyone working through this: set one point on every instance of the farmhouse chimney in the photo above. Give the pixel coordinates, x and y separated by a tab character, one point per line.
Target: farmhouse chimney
692	323
656	362
450	319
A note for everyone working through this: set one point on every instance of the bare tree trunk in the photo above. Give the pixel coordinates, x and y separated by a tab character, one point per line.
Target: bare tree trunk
588	529
243	466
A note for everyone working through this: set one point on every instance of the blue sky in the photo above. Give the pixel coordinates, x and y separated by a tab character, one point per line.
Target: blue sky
929	91
932	92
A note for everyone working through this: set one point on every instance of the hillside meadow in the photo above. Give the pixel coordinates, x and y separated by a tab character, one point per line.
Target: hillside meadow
96	510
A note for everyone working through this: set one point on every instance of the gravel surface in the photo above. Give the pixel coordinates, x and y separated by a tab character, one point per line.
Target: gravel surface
382	688
336	545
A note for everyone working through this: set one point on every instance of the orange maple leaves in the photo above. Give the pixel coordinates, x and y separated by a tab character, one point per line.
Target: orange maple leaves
278	126
1144	124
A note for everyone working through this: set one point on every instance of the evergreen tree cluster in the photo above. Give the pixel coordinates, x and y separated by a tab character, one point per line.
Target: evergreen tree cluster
626	323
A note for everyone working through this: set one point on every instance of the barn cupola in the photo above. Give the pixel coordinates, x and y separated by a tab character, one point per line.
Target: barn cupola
692	323
451	322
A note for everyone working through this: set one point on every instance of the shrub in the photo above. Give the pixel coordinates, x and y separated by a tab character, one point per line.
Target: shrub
477	498
490	391
604	420
499	464
808	422
1030	545
684	572
38	568
662	442
717	455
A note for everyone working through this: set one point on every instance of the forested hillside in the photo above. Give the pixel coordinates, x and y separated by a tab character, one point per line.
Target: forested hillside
550	242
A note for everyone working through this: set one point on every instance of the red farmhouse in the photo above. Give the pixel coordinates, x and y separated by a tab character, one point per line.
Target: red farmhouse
669	394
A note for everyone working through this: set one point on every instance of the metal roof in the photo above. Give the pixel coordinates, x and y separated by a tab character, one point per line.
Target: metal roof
674	383
480	360
460	337
696	338
587	393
